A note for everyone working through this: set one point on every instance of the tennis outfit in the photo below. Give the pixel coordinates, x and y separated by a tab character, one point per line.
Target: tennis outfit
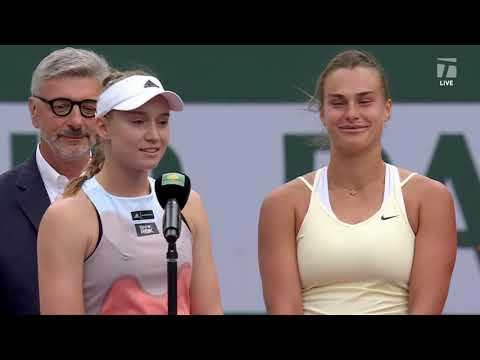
356	269
127	272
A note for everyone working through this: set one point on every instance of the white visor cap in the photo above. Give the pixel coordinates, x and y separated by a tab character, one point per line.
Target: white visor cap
134	91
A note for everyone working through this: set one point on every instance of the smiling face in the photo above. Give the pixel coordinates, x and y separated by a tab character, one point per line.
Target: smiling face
354	108
137	139
66	138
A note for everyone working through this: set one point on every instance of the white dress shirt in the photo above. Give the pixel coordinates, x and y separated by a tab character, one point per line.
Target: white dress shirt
53	181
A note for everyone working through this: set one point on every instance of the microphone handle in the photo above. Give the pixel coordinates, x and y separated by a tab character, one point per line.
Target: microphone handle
171	231
171	221
172	279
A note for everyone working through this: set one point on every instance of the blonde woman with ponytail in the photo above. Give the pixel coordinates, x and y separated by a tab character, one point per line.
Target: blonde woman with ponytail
91	257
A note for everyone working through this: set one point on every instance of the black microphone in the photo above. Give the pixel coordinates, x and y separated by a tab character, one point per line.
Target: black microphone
172	190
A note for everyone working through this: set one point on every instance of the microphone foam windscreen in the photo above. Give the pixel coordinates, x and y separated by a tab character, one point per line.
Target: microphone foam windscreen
174	185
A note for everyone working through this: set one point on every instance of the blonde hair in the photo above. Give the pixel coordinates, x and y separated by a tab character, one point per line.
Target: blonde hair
94	166
98	155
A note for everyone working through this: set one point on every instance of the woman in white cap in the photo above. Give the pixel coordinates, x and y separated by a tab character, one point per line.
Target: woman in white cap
92	258
358	236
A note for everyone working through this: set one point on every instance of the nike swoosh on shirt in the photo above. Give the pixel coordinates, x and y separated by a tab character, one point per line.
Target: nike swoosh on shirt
388	217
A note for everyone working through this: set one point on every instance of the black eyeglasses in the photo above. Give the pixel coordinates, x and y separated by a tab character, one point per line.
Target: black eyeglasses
63	107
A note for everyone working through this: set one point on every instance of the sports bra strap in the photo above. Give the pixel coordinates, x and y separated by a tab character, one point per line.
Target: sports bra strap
306	183
407	179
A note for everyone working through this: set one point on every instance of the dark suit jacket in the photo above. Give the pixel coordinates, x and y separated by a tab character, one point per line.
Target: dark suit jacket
23	201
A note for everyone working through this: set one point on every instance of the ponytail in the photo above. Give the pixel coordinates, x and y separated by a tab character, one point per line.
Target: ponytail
93	168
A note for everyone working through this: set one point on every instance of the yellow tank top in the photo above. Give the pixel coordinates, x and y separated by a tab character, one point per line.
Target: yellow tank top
356	269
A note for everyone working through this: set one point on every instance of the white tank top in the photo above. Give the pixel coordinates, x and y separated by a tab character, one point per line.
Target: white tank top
356	269
127	272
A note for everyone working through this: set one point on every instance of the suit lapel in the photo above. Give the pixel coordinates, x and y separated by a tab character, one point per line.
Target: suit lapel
31	194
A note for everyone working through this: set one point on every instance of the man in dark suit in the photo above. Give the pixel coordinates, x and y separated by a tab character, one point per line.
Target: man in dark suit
65	86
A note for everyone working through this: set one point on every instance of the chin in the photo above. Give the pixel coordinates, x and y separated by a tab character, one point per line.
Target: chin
348	143
147	165
74	154
356	147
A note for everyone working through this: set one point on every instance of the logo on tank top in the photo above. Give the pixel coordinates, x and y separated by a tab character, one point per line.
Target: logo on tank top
146	229
142	215
388	217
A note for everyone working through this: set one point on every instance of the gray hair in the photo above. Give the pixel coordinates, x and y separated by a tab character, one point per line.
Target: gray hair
69	62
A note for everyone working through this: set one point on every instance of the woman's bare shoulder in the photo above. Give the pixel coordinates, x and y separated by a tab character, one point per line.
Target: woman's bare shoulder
422	184
288	194
72	209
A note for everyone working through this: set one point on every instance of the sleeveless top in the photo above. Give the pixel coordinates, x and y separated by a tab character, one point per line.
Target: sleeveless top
127	272
356	269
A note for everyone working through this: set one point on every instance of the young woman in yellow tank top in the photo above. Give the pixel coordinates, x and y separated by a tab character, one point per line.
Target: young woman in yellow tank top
353	248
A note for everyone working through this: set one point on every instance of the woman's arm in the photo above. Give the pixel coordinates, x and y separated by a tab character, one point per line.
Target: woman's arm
204	288
435	250
277	250
62	245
